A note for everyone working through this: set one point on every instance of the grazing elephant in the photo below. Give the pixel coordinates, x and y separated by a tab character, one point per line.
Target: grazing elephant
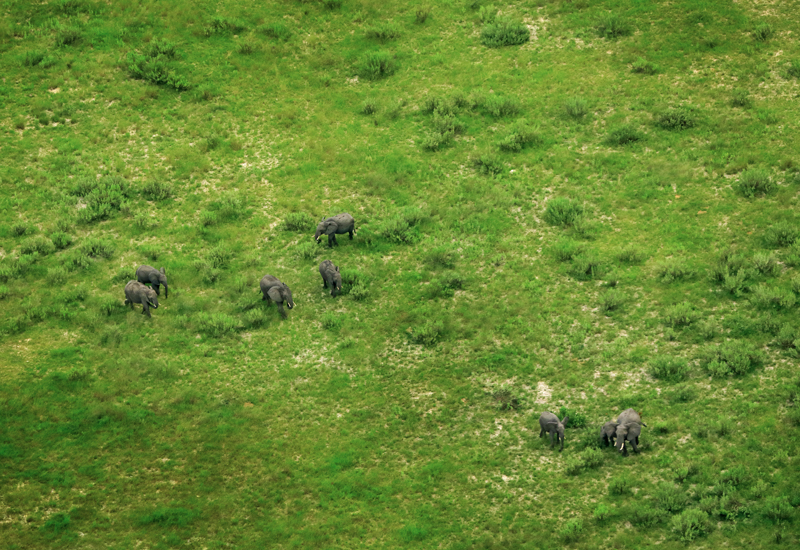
150	275
628	429
336	225
608	433
331	277
550	424
278	292
137	293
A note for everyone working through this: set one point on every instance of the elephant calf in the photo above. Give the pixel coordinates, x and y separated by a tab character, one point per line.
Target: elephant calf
336	225
550	424
276	291
608	433
628	429
331	277
156	277
137	293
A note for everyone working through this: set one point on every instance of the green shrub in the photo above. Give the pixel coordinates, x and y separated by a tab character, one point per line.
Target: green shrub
428	333
32	58
38	245
306	251
247	47
208	218
690	524
222	25
156	70
680	315
565	250
56	276
446	285
486	14
670	497
681	393
762	32
383	32
787	336
673	269
160	47
642	66
447	124
520	136
501	106
143	221
96	248
755	182
504	31
369	107
576	107
61	240
794	68
678	118
156	190
421	14
571	531
67	36
216	324
562	212
101	196
587	266
488	164
377	65
333	4
231	205
5	292
765	297
623	135
57	523
359	292
276	30
21	228
792	258
612	300
780	235
619	486
441	256
331	321
741	98
435	141
401	228
254	318
777	509
219	256
765	264
169	517
298	221
732	358
669	368
611	25
631	255
647	516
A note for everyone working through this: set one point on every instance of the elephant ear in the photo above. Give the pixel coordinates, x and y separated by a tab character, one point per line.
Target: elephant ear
274	294
163	271
566	419
330	228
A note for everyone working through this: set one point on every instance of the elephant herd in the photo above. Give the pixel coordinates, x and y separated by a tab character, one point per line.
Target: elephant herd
625	430
272	289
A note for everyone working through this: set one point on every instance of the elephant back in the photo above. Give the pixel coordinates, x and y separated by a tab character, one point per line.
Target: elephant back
326	267
629	415
268	281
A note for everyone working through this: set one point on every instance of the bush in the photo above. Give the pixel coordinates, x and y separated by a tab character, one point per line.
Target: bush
670	497
369	107
435	141
631	255
208	218
611	25
156	70
222	25
32	58
741	98
488	164
672	270
231	205
160	47
56	276
690	524
67	36
38	245
678	118
619	486
576	107
331	321
333	4
766	264
669	368
765	297
101	196
501	106
298	221
421	14
306	251
427	334
794	68
447	124
219	256
57	523
96	248
216	324
401	228
377	65
642	66
383	32
143	221
646	516
586	266
156	191
762	32
781	234
565	250
359	292
521	135
61	240
680	315
504	31
793	255
21	228
247	47
755	182
5	292
276	30
562	212
441	256
777	509
682	393
732	358
624	135
571	531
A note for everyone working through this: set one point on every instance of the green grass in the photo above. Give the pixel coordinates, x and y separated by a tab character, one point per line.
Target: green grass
560	206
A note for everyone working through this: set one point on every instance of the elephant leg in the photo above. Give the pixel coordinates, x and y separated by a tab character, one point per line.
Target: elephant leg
156	288
146	309
541	432
324	282
280	308
551	439
263	296
351	234
131	303
634	443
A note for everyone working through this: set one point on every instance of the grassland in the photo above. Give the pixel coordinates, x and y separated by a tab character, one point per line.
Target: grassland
602	216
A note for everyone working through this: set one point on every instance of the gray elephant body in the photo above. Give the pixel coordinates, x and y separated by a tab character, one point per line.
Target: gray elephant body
273	289
628	430
137	293
336	225
331	277
608	433
548	422
150	275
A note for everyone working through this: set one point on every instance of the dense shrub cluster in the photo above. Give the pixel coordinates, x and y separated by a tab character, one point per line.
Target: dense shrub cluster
563	212
735	357
101	197
520	135
377	65
755	182
669	368
298	221
504	31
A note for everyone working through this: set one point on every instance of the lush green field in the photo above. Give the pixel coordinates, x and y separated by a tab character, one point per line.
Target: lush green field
600	214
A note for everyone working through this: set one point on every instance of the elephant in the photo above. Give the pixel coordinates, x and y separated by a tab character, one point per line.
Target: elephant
156	277
608	433
629	427
550	424
336	225
331	277
276	291
137	293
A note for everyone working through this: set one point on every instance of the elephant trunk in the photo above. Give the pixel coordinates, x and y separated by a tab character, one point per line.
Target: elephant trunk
166	291
317	235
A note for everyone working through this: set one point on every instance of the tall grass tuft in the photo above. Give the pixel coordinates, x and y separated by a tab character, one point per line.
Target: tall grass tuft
504	31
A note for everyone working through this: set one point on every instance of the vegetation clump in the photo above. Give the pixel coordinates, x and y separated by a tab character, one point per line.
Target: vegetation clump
504	31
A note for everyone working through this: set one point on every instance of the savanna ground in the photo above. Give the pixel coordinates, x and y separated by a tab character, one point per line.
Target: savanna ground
570	206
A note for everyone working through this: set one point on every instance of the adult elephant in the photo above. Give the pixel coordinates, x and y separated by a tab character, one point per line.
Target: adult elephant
336	225
548	422
150	275
629	427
